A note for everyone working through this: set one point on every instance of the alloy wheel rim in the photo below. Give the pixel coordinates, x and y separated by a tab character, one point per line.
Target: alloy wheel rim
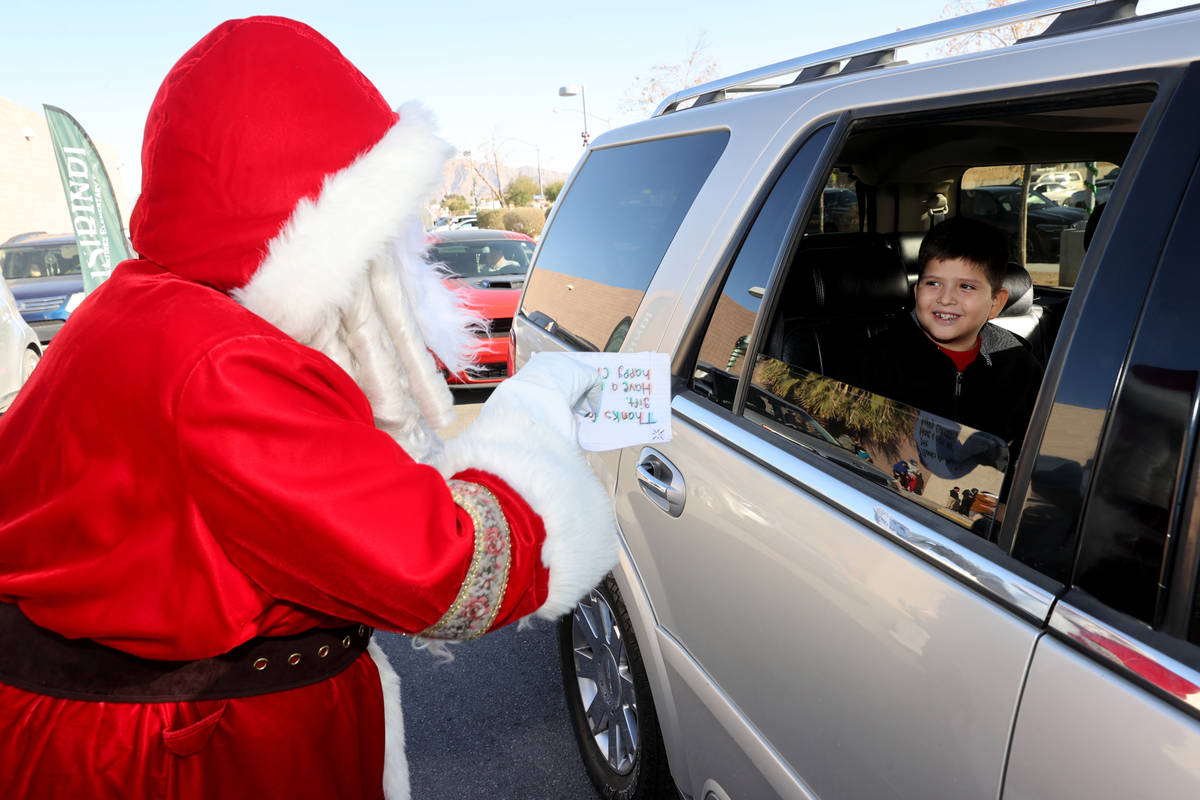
605	682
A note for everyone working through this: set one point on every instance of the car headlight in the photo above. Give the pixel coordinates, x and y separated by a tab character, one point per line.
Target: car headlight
73	301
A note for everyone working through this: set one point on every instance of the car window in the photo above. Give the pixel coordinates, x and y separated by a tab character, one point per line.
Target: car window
837	206
1048	235
40	262
611	230
839	299
723	350
483	258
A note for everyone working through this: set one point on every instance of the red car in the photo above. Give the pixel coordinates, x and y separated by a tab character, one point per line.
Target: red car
489	268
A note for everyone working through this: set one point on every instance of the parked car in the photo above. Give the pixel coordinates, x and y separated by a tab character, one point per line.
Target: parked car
1055	192
454	223
783	625
1069	180
1079	199
1001	206
488	269
20	349
42	269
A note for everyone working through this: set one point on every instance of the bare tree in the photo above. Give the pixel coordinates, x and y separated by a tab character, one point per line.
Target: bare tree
988	39
664	80
490	152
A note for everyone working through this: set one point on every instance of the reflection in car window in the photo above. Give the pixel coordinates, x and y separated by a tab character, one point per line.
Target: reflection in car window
612	229
941	464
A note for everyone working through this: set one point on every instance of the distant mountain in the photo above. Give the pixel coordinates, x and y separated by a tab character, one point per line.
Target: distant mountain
457	176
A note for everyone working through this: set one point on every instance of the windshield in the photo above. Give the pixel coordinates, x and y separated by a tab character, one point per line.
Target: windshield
484	258
40	262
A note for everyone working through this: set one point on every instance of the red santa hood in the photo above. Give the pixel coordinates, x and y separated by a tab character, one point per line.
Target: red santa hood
273	170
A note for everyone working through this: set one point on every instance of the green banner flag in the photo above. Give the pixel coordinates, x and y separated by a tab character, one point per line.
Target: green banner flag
90	199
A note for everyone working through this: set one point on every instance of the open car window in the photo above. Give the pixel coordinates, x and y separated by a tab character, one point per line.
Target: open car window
841	285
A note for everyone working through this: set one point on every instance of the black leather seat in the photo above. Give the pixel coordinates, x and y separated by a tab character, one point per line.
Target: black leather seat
841	290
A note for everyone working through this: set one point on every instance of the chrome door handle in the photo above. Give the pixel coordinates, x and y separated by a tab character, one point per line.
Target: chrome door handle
661	481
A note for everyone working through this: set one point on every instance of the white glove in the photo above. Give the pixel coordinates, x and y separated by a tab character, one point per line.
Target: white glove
546	389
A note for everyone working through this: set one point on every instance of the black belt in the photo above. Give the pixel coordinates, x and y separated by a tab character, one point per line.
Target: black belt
38	660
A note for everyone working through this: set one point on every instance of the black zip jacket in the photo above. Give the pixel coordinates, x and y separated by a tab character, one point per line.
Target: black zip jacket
994	393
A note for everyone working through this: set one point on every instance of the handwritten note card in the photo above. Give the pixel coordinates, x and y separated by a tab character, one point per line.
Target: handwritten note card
635	403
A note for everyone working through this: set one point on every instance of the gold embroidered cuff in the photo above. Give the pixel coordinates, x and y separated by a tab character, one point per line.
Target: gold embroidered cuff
482	592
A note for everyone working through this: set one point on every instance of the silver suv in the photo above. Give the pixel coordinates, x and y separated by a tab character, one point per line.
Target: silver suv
826	593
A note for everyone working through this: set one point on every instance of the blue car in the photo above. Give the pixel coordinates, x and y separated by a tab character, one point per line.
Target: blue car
42	269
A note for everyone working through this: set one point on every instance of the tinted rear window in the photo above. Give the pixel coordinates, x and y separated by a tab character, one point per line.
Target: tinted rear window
615	224
40	261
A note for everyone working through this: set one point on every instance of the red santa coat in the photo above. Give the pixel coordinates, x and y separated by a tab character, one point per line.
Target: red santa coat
186	471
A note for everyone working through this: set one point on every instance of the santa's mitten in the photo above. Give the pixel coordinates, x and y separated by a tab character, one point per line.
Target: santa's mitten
545	391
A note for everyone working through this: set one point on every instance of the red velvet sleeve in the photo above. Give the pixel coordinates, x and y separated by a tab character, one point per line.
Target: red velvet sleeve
288	473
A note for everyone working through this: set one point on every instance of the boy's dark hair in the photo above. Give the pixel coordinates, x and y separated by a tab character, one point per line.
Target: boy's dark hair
971	240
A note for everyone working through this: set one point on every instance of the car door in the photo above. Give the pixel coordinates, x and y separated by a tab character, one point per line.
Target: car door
820	639
1111	708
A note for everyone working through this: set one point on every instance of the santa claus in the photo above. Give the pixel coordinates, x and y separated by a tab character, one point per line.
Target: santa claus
224	473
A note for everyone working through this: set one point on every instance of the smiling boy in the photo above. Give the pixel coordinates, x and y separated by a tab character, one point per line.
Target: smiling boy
949	360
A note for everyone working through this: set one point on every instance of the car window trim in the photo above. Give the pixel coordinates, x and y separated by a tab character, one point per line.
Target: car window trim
1019	588
1156	661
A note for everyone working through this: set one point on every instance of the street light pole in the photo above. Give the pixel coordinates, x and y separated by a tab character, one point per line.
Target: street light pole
571	91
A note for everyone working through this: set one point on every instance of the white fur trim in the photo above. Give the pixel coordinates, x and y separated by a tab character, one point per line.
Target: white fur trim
448	326
395	763
316	264
348	276
553	476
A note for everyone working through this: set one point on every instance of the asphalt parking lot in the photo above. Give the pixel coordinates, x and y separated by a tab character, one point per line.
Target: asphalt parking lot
492	723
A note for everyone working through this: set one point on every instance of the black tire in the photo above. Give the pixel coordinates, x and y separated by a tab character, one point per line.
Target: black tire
612	701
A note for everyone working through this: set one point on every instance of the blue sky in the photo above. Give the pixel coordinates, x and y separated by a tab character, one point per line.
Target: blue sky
485	73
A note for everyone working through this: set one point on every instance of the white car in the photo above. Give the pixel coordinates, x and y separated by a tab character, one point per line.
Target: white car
1055	191
1070	180
20	350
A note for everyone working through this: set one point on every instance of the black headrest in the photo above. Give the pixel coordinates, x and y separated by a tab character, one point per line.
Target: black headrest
1020	290
908	245
854	274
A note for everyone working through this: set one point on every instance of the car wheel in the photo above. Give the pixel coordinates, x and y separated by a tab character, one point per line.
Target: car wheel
612	713
30	361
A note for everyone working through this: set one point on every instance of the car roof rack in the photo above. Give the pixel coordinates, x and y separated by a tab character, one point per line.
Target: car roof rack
880	51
